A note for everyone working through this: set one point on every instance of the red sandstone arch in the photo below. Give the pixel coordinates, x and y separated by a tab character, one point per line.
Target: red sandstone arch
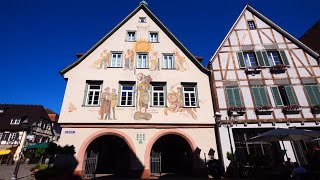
157	136
95	135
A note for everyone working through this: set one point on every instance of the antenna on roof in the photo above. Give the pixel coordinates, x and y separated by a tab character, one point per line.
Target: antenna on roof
143	2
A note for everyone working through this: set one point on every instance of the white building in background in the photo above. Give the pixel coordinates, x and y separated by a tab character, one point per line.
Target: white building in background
271	80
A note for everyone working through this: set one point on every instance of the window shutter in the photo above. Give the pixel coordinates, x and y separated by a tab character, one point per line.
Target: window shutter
276	96
284	57
266	60
231	101
236	93
290	95
256	96
313	94
241	60
264	96
260	58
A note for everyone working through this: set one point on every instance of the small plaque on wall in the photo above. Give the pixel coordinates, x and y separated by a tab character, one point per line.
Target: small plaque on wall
70	132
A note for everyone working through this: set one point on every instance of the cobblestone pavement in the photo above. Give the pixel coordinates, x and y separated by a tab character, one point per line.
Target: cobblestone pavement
24	173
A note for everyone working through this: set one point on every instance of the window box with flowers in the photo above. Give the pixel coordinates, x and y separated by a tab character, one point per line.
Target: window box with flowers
315	109
239	110
291	109
264	110
278	68
253	70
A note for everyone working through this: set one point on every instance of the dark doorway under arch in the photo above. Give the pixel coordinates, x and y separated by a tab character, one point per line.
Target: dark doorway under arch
113	155
176	155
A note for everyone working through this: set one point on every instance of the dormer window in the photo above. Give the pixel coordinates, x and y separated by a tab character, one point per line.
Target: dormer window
142	20
15	121
251	25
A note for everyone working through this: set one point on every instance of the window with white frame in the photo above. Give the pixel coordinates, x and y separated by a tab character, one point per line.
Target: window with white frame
127	94
131	36
158	94
13	136
189	95
92	97
250	59
15	121
153	37
274	58
142	20
168	61
251	25
142	61
116	59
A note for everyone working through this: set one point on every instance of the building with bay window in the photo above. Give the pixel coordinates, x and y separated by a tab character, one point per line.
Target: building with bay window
269	79
139	103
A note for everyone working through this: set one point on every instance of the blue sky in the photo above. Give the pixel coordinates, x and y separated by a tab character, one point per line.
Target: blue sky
39	38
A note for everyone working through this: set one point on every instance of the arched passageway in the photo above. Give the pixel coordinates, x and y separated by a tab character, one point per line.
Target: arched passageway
113	155
176	156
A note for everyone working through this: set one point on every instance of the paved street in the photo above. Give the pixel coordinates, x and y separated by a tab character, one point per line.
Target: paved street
6	172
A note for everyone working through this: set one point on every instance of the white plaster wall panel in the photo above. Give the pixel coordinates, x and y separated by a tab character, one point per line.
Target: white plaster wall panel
243	83
265	35
266	73
246	39
299	53
232	61
294	60
251	114
247	97
219	83
293	116
278	113
316	71
312	60
269	82
222	99
224	59
258	47
254	76
217	75
291	45
235	48
241	74
225	49
282	46
261	24
231	75
242	35
255	37
307	113
242	24
233	39
292	72
249	15
301	96
280	76
303	72
278	36
264	117
295	81
215	64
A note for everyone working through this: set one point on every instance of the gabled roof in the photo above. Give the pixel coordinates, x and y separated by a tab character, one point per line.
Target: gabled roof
158	22
312	37
272	25
16	111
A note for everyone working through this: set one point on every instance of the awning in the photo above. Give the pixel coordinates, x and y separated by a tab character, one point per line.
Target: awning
4	152
38	146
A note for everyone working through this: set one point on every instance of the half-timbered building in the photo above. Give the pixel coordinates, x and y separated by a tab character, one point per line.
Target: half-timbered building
138	103
264	78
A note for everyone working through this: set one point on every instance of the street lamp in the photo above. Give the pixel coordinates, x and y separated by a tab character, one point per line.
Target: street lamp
25	127
233	118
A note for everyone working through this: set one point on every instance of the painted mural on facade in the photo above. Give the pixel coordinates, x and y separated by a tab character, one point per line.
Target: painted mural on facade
102	61
108	103
143	97
175	99
72	107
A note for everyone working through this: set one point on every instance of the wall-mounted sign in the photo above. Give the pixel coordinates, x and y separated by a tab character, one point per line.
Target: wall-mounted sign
69	132
141	138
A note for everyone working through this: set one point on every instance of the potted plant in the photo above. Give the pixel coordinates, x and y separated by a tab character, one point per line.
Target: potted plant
264	110
291	109
278	68
253	70
315	109
240	110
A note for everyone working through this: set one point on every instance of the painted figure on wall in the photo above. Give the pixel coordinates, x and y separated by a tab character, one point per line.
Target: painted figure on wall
175	98
129	60
114	102
105	105
72	107
181	64
143	97
103	60
154	61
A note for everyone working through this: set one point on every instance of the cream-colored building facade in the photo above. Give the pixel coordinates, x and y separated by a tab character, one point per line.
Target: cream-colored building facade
141	86
271	80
